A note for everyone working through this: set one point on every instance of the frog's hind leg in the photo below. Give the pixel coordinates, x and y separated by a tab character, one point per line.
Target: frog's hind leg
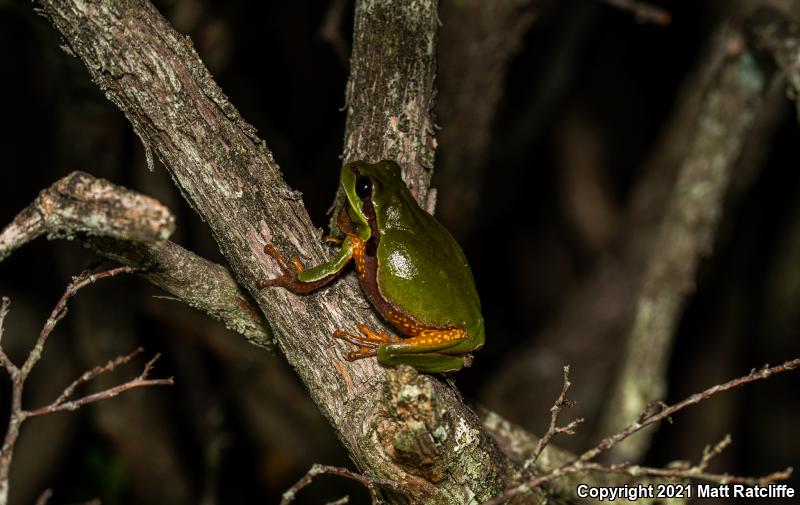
428	341
428	347
432	362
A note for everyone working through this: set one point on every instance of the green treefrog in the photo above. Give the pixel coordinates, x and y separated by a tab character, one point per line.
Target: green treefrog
410	267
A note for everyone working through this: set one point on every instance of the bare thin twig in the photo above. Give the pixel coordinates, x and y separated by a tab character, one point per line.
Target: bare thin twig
18	376
331	29
583	463
340	501
644	12
60	310
317	469
44	497
91	374
61	405
554	429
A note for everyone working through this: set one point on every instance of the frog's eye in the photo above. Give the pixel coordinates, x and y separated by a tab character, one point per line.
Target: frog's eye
363	187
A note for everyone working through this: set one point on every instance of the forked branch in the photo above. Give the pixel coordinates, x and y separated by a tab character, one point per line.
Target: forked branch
63	403
653	414
369	483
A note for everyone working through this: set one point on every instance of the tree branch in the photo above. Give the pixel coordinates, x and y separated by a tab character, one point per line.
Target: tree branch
389	117
82	204
584	463
429	441
19	375
132	229
372	485
686	235
779	36
644	12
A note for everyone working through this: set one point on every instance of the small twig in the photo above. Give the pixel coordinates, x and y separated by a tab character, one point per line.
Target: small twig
317	469
341	501
753	376
331	29
554	429
60	310
710	453
44	497
61	405
98	370
644	12
10	367
18	376
583	463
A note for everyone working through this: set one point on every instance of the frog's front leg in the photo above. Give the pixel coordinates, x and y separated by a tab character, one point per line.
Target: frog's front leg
297	279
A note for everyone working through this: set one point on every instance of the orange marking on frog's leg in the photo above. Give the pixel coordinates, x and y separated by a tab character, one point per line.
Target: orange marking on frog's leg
358	255
412	329
429	340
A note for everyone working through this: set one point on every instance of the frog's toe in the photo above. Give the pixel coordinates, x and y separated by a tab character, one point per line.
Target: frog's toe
357	340
375	336
288	276
361	354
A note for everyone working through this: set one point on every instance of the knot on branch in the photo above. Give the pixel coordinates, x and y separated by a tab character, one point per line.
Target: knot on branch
81	203
419	431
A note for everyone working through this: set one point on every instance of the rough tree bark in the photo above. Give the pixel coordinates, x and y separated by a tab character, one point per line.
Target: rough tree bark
395	423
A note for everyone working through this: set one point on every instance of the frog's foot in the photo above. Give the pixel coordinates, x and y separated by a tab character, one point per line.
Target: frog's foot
367	343
288	278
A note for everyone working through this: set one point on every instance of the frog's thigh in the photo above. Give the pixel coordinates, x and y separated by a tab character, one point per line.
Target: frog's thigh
428	362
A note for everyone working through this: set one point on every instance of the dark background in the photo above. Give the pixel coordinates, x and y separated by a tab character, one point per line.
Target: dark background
588	82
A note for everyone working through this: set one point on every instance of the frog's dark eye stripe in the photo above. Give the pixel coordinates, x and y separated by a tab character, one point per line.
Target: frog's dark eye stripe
363	187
